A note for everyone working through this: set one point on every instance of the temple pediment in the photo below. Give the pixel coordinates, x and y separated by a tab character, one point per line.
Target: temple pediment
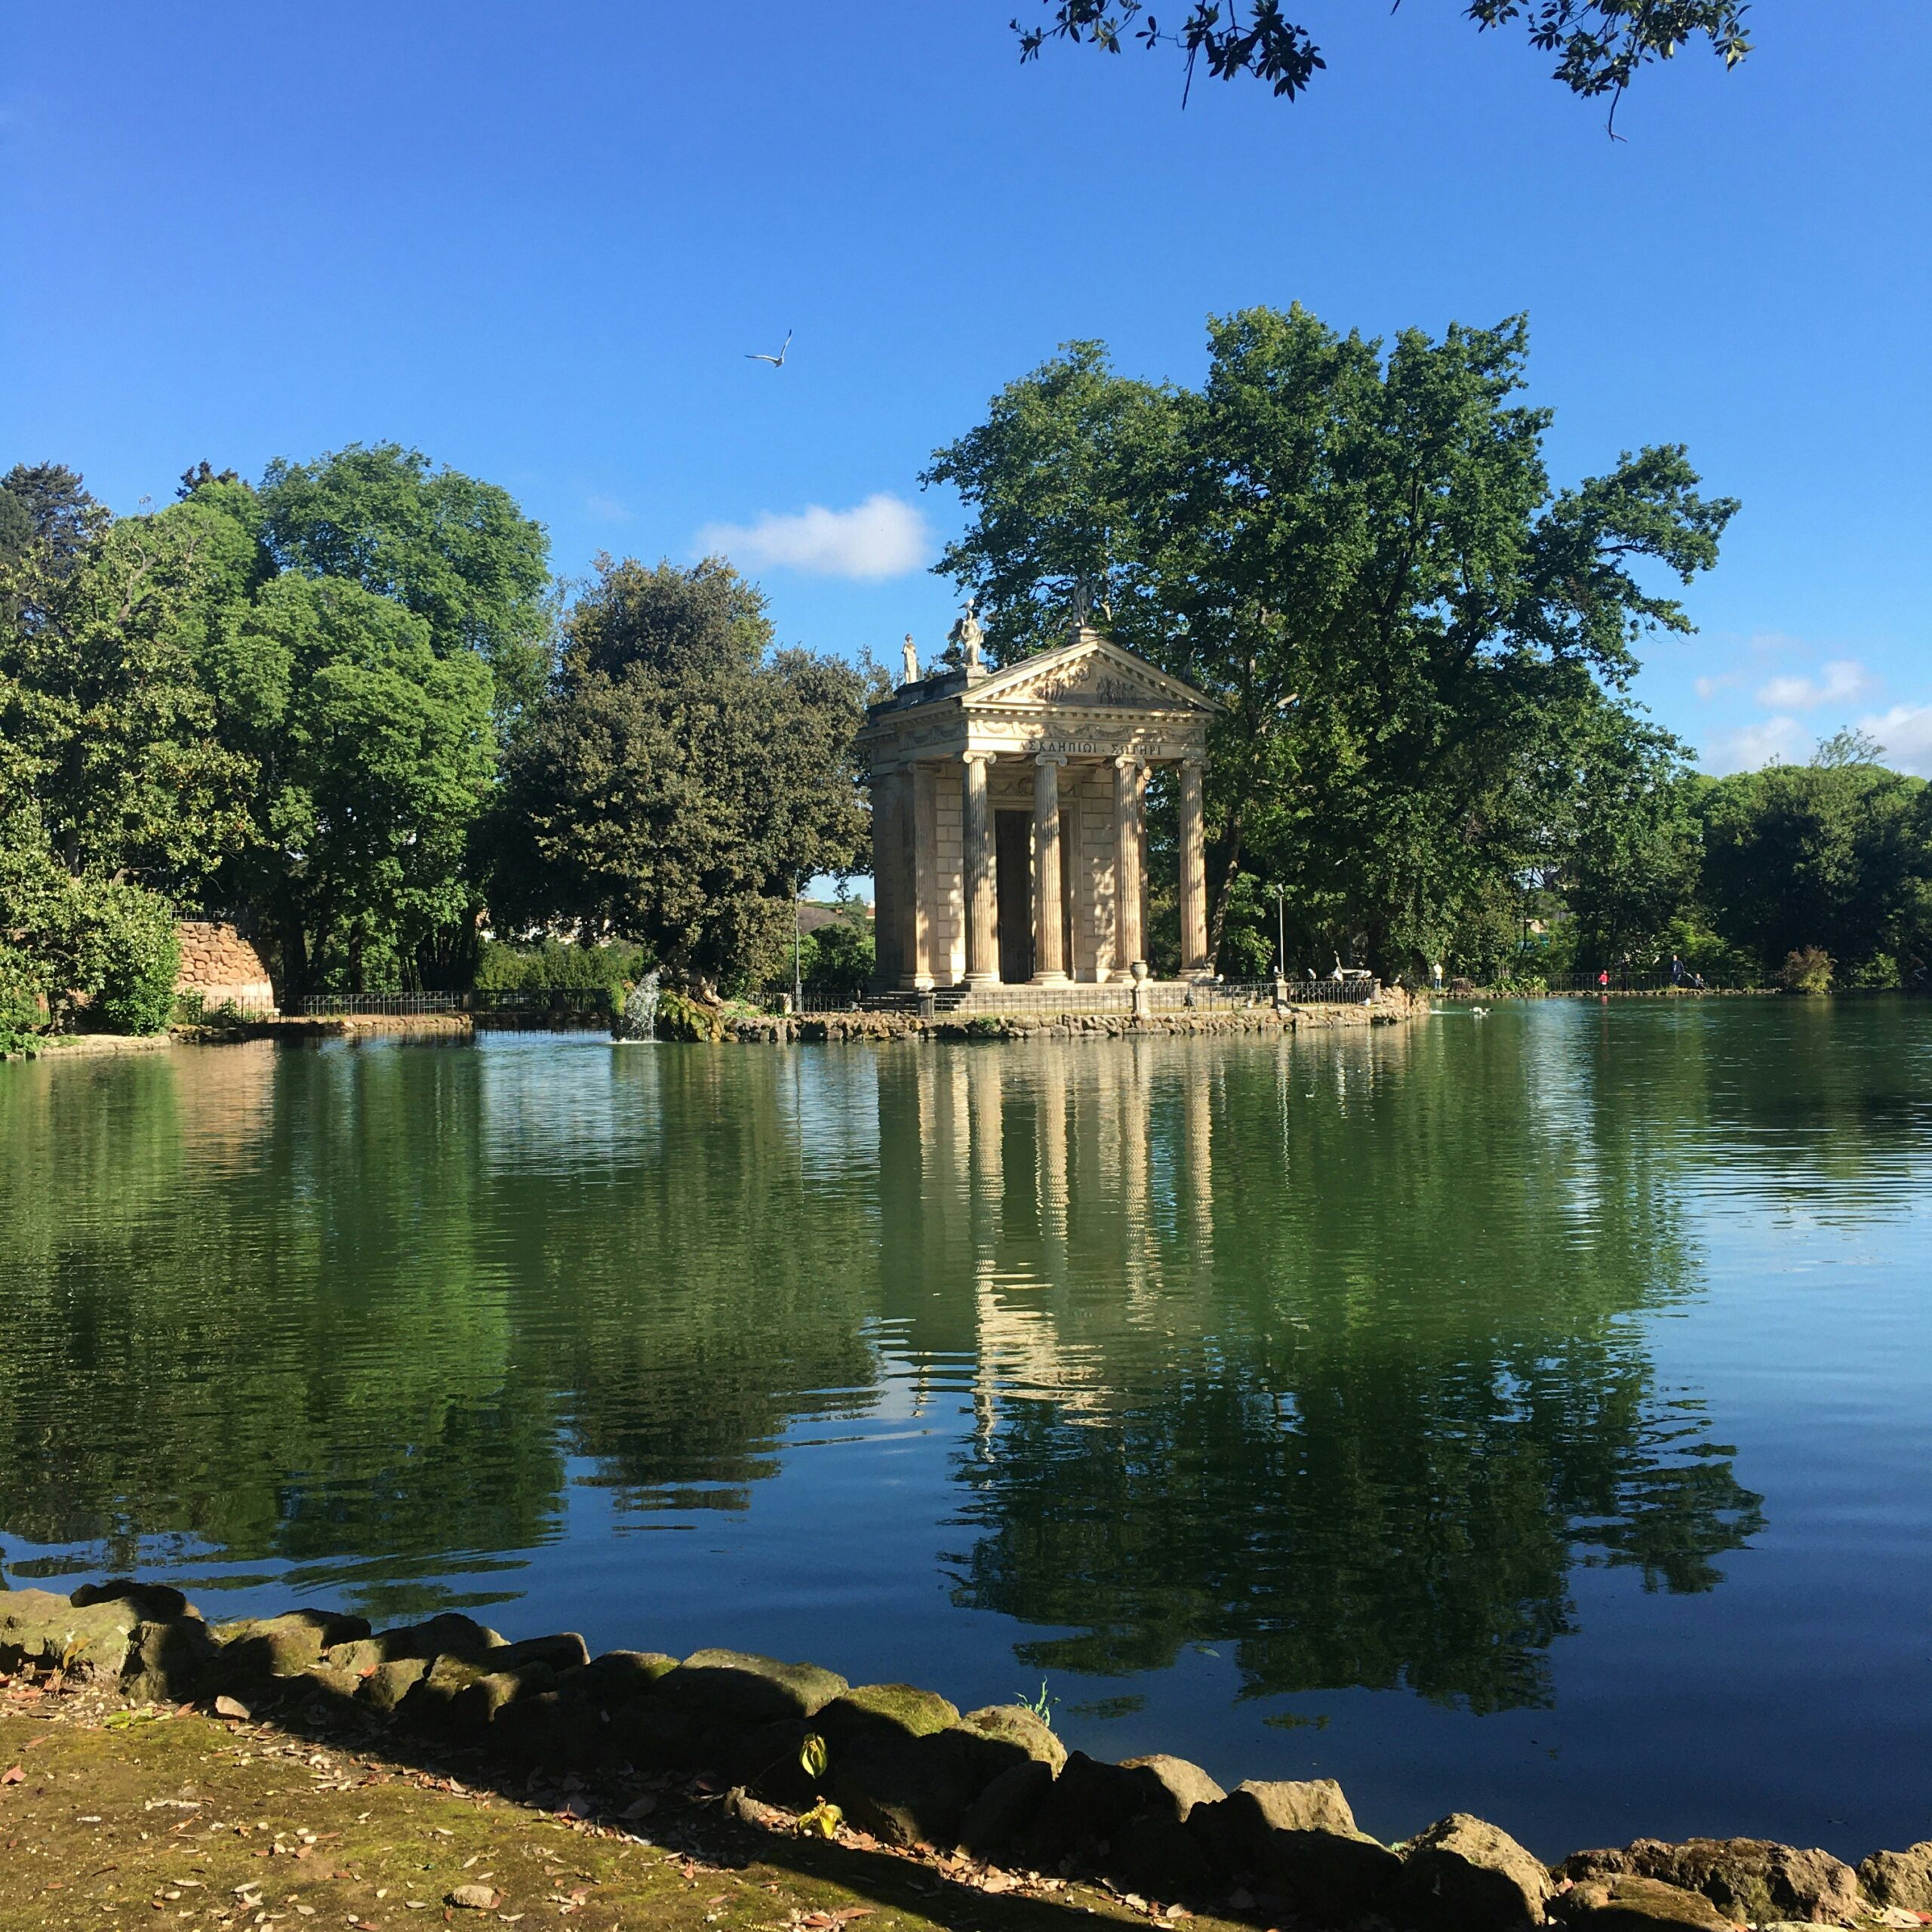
1088	672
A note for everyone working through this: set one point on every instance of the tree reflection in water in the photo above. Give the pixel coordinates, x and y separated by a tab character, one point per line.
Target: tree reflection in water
1331	1352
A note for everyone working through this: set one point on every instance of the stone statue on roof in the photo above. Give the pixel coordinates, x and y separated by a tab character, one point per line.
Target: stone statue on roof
965	638
912	661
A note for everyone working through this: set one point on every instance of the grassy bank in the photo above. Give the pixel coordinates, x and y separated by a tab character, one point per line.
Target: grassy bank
168	1817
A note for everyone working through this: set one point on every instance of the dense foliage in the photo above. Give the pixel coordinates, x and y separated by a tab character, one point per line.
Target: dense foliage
682	778
293	703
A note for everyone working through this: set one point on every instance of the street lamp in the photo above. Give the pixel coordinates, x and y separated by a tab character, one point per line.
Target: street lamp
1280	932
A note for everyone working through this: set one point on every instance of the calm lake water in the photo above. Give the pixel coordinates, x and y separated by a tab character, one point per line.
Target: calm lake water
1531	1416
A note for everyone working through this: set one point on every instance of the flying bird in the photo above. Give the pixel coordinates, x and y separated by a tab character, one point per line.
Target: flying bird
777	361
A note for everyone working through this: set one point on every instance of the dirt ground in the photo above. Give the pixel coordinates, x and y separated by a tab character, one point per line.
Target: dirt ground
111	1818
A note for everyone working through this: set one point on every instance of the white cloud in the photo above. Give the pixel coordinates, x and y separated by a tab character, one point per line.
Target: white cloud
1756	745
880	537
1768	641
607	509
1905	732
1708	687
1843	678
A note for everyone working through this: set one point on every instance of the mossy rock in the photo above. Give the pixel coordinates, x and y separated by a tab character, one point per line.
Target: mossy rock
899	1709
385	1688
330	1680
1014	1724
448	1631
738	1688
262	1646
46	1632
621	1674
682	1017
169	1661
157	1602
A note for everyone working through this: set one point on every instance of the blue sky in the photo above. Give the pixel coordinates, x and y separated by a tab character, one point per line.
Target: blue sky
537	242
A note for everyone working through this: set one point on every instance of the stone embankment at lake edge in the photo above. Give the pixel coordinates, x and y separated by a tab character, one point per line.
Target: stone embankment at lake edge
992	1794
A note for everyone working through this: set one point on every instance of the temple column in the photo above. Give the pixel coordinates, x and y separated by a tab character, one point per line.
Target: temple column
982	903
1194	963
1049	960
1130	869
922	968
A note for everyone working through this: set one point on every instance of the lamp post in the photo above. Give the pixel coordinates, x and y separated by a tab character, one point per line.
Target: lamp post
798	947
1280	932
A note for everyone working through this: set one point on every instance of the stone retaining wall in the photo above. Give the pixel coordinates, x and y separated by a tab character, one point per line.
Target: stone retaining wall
908	1767
221	968
1390	1007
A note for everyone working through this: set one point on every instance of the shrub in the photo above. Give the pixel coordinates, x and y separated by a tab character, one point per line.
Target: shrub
556	966
22	1003
1807	970
838	960
128	956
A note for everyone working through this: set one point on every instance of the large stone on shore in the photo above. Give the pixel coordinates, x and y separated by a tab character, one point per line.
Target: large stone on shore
157	1602
255	1647
620	1675
1014	1723
1900	1878
1004	1812
1234	1831
448	1631
734	1687
1621	1903
460	1696
47	1632
916	1790
1751	1878
1330	1878
894	1709
1184	1785
1465	1875
384	1688
168	1661
1129	1820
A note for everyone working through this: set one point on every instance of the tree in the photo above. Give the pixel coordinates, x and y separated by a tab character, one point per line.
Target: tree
1833	855
1362	554
1632	857
1602	44
458	553
375	757
682	778
107	728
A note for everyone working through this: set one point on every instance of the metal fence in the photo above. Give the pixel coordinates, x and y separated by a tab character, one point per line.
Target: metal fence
319	1005
593	1000
773	1000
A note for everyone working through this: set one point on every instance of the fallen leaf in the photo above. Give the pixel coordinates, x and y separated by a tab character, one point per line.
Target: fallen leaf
12	1774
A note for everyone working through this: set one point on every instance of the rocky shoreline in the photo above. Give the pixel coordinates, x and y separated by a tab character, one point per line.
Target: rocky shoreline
787	1747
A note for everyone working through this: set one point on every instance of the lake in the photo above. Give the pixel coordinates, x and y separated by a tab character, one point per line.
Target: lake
1530	1415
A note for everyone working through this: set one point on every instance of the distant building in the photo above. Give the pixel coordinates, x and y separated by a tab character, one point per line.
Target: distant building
1009	815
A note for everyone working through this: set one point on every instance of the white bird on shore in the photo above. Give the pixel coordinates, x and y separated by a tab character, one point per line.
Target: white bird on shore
777	361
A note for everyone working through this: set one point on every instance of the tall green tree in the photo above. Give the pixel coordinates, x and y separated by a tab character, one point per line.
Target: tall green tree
457	552
374	758
683	778
1361	552
1834	854
1630	860
108	728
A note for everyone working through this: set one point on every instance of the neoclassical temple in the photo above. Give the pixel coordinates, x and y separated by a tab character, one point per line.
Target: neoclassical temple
1009	815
